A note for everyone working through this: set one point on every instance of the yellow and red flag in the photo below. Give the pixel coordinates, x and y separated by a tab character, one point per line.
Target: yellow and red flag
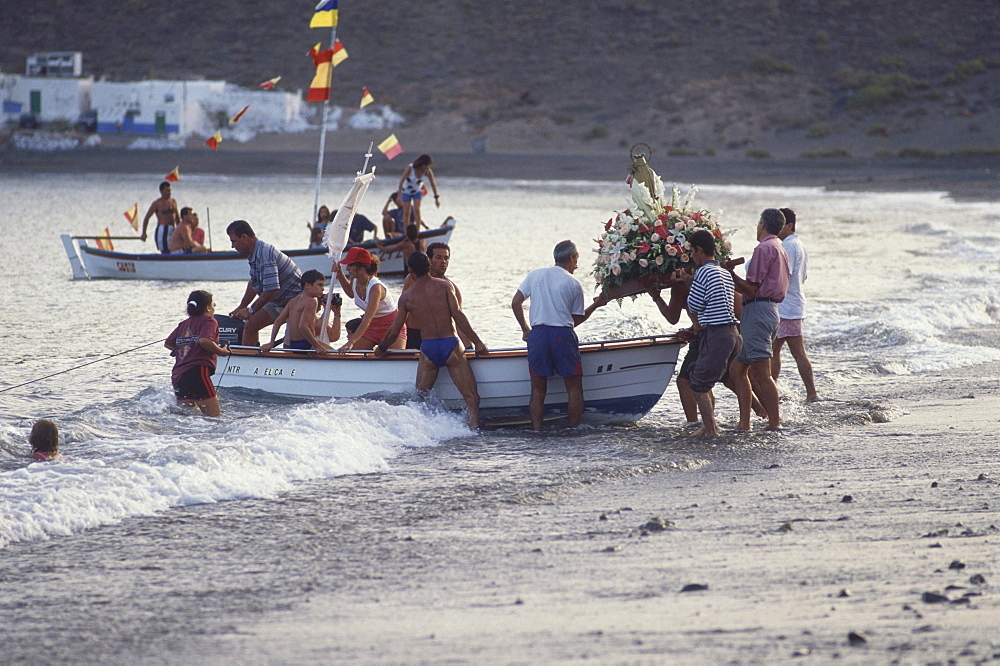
214	140
104	240
319	89
366	98
234	119
174	175
132	215
325	16
390	147
339	53
270	83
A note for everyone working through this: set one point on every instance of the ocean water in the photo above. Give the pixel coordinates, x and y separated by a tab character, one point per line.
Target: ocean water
897	282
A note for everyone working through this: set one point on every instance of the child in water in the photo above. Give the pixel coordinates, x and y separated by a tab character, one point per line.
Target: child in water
44	440
195	344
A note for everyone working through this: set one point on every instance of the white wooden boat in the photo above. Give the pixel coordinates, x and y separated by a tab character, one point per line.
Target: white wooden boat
91	262
623	379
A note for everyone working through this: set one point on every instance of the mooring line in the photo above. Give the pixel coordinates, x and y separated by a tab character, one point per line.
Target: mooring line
38	379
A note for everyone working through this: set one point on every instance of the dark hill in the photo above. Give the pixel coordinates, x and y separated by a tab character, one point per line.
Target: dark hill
724	76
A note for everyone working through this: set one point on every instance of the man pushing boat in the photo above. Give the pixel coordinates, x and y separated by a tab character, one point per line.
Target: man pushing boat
432	306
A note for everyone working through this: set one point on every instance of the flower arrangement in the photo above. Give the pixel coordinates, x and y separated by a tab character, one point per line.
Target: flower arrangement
642	245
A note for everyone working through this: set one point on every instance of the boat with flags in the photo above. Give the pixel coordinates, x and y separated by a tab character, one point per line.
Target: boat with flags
90	261
622	379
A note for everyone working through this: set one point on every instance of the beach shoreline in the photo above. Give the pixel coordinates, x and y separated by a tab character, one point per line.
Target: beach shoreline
965	178
819	548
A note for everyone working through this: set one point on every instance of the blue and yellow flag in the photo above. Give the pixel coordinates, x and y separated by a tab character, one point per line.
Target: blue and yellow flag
325	16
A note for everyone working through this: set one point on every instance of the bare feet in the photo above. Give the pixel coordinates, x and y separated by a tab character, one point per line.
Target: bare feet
703	432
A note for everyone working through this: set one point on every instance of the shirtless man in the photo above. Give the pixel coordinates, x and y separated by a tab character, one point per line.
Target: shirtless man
430	303
440	255
182	240
302	314
407	243
167	218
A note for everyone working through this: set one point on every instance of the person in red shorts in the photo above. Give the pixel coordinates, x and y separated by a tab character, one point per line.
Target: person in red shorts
362	284
195	344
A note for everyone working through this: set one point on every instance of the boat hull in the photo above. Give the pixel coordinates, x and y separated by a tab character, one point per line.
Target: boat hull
622	380
91	262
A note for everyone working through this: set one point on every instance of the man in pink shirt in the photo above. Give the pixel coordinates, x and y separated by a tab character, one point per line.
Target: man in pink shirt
765	286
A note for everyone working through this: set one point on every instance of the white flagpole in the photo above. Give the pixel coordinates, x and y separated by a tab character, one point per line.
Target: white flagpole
322	134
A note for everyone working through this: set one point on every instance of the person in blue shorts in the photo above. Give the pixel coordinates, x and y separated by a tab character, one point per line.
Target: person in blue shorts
556	309
432	306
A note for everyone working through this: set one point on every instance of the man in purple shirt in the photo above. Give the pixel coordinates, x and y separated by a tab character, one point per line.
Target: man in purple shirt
764	287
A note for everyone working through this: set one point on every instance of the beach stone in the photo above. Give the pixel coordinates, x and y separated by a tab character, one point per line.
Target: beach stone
956	564
603	516
847	499
978	579
844	593
983	477
694	587
657	524
934	484
787	527
933	598
856	639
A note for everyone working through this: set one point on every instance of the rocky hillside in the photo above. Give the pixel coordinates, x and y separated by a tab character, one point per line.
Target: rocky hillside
726	77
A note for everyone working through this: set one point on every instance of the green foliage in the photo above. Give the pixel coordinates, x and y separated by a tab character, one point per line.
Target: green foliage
682	152
596	132
874	91
970	67
836	152
893	62
563	119
922	153
819	130
910	39
765	64
758	154
977	152
821	40
709	152
878	130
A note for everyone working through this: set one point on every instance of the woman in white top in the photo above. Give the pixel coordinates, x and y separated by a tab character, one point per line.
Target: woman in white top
370	295
410	192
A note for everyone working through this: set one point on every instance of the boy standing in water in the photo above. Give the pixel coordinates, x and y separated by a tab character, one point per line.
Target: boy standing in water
303	318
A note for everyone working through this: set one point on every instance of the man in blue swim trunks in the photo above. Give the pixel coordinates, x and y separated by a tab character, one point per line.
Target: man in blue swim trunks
556	308
431	305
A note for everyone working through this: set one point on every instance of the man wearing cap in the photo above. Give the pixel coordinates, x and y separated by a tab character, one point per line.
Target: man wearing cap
765	286
556	308
274	280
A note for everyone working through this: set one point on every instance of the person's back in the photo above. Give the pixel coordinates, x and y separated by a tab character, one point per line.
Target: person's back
428	307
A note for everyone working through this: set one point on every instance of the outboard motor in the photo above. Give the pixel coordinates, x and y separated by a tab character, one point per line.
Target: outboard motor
230	330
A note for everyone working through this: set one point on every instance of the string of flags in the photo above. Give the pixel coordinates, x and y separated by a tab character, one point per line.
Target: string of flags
103	240
173	176
390	147
132	215
366	98
270	83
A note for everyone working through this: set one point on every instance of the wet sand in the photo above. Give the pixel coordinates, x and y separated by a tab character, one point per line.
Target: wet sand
873	543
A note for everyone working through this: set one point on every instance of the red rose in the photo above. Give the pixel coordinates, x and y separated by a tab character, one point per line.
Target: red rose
717	233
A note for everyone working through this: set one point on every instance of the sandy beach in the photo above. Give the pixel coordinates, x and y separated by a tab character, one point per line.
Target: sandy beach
813	548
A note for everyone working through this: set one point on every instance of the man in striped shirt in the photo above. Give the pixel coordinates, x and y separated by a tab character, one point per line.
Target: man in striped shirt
710	304
274	280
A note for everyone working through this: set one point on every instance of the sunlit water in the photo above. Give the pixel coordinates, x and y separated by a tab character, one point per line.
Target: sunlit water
892	279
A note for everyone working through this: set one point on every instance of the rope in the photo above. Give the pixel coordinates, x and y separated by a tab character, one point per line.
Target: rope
32	381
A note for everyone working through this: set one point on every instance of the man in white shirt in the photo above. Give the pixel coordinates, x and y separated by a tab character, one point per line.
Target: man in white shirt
792	310
556	308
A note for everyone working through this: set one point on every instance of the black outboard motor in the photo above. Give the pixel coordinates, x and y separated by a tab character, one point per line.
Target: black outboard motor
230	330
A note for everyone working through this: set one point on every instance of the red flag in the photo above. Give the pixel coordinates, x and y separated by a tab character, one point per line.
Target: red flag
366	98
390	147
319	89
214	140
239	115
104	240
174	175
132	215
339	53
270	83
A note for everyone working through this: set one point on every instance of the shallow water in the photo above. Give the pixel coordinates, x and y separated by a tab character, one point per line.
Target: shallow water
894	282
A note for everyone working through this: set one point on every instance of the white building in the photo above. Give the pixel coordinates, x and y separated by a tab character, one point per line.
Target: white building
50	99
